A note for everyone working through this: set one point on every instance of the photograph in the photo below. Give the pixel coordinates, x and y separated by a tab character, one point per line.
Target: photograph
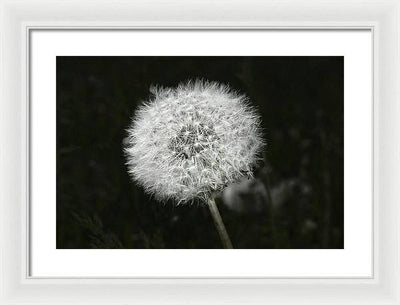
200	152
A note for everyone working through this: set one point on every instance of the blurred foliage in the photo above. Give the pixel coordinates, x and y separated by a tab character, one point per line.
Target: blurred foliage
295	201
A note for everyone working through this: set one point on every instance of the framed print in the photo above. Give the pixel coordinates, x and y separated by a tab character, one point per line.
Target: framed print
156	158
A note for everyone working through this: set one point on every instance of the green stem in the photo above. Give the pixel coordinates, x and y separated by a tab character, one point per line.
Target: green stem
219	224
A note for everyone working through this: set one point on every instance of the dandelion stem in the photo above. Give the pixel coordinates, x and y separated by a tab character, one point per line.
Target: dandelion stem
219	224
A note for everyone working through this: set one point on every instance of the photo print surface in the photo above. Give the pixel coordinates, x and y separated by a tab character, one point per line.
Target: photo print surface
200	152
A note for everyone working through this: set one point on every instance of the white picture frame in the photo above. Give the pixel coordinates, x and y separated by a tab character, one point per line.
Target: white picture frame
18	18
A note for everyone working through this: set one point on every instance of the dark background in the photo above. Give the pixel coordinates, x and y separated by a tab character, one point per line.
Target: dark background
296	200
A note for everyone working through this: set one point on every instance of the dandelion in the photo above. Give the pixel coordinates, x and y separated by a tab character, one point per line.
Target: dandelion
186	144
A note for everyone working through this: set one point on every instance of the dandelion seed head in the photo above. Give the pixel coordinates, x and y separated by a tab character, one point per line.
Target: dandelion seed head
190	141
